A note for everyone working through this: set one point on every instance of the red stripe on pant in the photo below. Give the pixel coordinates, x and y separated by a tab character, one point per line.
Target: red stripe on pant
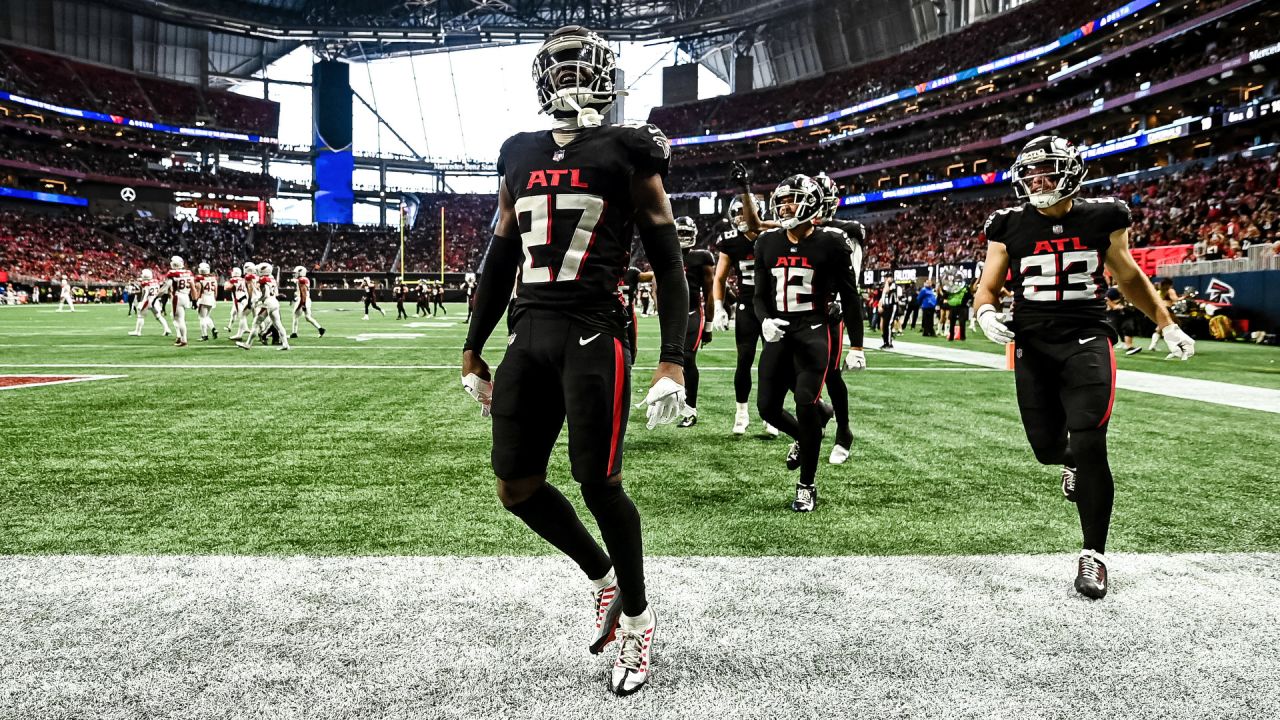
702	324
1111	350
619	381
825	366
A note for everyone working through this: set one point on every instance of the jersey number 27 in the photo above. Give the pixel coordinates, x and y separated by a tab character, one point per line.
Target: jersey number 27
574	241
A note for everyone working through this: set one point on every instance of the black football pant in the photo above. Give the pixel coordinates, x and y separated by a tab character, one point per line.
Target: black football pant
1066	389
746	334
928	330
959	322
837	391
886	322
400	313
441	307
797	362
692	342
424	308
556	370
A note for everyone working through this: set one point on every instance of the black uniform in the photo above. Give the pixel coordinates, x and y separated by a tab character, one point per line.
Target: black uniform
370	298
1064	365
469	287
400	292
855	237
796	282
696	262
567	353
740	250
627	295
424	301
437	296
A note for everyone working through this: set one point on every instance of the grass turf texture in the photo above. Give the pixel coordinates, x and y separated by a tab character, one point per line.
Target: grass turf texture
258	460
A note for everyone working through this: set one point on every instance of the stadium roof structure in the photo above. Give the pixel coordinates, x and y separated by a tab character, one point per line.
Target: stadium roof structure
426	25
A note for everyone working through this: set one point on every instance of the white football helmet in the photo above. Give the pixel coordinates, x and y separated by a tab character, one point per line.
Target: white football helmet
300	272
470	277
265	269
146	274
204	268
250	268
237	272
175	262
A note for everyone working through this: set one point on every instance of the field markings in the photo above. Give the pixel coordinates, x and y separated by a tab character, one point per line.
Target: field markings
1179	636
15	382
1210	391
279	366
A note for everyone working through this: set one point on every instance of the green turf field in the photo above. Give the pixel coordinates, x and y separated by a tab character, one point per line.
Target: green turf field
338	448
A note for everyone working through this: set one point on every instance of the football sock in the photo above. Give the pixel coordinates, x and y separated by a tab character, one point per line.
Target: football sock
605	581
811	419
838	393
639	621
1095	487
548	513
742	375
740	407
619	523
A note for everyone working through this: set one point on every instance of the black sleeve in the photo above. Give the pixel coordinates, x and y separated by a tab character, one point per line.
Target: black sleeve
764	282
847	287
663	250
1118	216
497	279
649	149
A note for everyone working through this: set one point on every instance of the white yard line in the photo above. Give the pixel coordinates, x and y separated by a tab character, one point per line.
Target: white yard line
276	366
1210	391
1179	636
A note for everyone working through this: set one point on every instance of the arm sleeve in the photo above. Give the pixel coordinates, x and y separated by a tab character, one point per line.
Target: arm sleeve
497	279
764	285
850	300
650	150
663	251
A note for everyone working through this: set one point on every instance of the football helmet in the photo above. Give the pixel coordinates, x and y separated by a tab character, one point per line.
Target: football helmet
146	274
1047	171
204	268
265	269
797	200
737	216
175	262
470	277
300	272
250	268
830	195
574	72
686	232
237	272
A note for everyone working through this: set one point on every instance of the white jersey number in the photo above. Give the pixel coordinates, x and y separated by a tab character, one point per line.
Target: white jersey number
789	283
542	233
1042	281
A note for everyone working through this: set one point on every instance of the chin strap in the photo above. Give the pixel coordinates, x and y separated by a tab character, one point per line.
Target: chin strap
587	117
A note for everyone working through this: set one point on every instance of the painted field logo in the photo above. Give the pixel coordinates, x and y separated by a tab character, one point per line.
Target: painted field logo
13	382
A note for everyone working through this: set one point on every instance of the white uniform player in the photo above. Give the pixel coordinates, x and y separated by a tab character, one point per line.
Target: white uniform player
65	297
206	300
251	290
239	295
302	303
179	285
269	309
148	294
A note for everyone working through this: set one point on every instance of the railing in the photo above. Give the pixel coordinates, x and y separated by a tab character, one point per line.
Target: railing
1260	257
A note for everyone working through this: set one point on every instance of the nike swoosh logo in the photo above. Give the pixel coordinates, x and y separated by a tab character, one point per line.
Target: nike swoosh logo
1095	337
511	338
815	327
584	341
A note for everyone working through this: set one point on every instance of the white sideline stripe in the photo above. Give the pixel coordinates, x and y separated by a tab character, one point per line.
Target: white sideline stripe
250	366
504	637
1210	391
83	378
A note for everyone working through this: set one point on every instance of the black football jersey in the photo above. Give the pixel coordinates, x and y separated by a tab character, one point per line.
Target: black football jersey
627	287
695	263
856	233
573	205
799	280
1056	265
742	254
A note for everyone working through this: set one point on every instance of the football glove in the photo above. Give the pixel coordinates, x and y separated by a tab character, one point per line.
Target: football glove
835	311
855	360
720	321
1180	344
739	176
706	336
996	331
480	390
771	329
664	404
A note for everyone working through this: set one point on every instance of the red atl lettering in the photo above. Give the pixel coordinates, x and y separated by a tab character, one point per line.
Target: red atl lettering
1048	246
551	178
792	261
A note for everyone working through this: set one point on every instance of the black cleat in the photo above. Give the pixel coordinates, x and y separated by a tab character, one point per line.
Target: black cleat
293	336
1069	483
1091	575
793	456
806	498
688	421
321	332
215	333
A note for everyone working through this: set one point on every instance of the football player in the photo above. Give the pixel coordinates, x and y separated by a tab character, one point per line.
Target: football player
400	292
437	299
148	299
1054	248
178	285
737	253
855	236
569	201
424	303
799	268
469	287
238	289
370	297
302	301
206	289
698	273
628	287
268	313
64	295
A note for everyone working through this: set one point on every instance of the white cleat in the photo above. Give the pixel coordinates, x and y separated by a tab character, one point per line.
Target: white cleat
136	334
839	454
770	430
242	345
631	670
284	347
741	421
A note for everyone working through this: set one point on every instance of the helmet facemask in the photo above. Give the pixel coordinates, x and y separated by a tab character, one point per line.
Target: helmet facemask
1047	171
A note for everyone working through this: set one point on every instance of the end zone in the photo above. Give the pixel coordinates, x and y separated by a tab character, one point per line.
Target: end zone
13	382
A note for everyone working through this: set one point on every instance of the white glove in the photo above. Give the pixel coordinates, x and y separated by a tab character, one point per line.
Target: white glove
480	390
665	403
855	360
720	322
1180	344
996	331
771	329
